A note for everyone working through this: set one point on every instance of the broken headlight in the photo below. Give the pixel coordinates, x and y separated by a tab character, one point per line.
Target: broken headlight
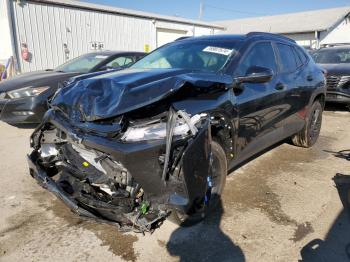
184	125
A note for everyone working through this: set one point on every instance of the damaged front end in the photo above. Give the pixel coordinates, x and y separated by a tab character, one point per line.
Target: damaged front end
132	171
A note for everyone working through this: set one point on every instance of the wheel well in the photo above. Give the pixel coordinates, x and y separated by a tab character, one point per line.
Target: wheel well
321	98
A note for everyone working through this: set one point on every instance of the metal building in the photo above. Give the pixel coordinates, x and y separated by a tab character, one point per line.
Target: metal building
42	34
309	29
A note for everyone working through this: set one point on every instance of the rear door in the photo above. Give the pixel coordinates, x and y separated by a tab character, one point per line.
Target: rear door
309	77
261	106
291	81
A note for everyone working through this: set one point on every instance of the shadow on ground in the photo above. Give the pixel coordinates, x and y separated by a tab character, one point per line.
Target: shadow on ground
337	107
336	246
24	126
204	242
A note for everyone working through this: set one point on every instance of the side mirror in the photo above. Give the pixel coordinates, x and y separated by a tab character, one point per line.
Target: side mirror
103	68
256	74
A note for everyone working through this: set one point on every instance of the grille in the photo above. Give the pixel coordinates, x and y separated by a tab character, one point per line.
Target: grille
344	82
2	95
332	82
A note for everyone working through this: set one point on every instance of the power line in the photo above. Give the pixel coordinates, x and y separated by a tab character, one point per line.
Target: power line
201	10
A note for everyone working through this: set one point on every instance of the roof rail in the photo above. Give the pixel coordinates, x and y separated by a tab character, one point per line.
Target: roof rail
182	38
271	35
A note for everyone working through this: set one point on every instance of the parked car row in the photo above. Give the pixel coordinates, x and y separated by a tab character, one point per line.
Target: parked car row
157	139
23	102
23	99
336	61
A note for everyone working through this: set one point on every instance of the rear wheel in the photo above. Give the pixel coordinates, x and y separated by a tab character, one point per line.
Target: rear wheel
219	173
308	136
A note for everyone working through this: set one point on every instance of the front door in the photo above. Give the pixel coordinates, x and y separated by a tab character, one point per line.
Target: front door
260	105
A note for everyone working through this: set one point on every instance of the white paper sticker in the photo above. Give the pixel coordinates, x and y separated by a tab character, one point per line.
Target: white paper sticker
101	56
218	50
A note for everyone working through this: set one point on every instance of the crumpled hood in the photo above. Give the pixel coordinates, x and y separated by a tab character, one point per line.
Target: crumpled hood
113	94
35	79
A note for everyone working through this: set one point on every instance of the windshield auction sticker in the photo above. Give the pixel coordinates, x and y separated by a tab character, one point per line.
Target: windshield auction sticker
101	56
218	50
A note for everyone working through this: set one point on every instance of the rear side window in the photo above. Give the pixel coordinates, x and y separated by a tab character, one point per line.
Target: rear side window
302	55
261	54
287	57
120	61
297	58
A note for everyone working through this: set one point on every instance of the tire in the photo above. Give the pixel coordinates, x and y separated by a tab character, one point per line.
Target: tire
219	173
308	136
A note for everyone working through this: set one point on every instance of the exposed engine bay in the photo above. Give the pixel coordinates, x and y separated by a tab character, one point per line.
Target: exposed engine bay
131	172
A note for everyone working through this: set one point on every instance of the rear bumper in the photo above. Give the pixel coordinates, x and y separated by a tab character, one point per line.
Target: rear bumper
22	111
338	97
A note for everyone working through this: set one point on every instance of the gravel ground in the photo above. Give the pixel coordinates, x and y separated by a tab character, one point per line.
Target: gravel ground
285	205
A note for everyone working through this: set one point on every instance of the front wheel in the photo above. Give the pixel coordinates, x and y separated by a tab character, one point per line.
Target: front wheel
308	136
219	173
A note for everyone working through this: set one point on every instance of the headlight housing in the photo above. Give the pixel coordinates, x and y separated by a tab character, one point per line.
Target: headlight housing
158	130
26	92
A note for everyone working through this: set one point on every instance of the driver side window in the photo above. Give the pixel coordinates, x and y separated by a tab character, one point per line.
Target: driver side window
261	54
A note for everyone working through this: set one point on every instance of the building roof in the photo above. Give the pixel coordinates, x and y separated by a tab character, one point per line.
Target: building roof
236	37
310	21
128	12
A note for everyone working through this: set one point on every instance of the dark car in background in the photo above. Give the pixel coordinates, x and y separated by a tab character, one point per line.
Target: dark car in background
336	61
157	139
23	98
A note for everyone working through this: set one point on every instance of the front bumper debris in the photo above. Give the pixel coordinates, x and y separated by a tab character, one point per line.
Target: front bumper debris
46	182
133	184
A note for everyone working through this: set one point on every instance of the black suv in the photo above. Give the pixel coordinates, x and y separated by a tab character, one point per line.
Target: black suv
159	138
336	61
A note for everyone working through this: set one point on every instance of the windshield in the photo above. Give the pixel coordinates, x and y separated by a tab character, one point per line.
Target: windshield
207	56
82	64
332	56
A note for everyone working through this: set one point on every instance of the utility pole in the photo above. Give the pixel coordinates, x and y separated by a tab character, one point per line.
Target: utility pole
201	10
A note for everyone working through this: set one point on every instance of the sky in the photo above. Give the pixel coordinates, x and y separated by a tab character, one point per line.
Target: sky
215	10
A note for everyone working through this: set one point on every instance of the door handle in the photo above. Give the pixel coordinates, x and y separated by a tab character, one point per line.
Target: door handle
309	78
279	86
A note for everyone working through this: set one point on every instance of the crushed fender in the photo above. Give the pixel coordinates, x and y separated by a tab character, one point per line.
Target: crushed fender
119	180
125	148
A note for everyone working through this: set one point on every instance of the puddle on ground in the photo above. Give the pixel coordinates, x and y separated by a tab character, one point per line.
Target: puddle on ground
120	244
19	231
22	225
252	190
302	231
161	243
